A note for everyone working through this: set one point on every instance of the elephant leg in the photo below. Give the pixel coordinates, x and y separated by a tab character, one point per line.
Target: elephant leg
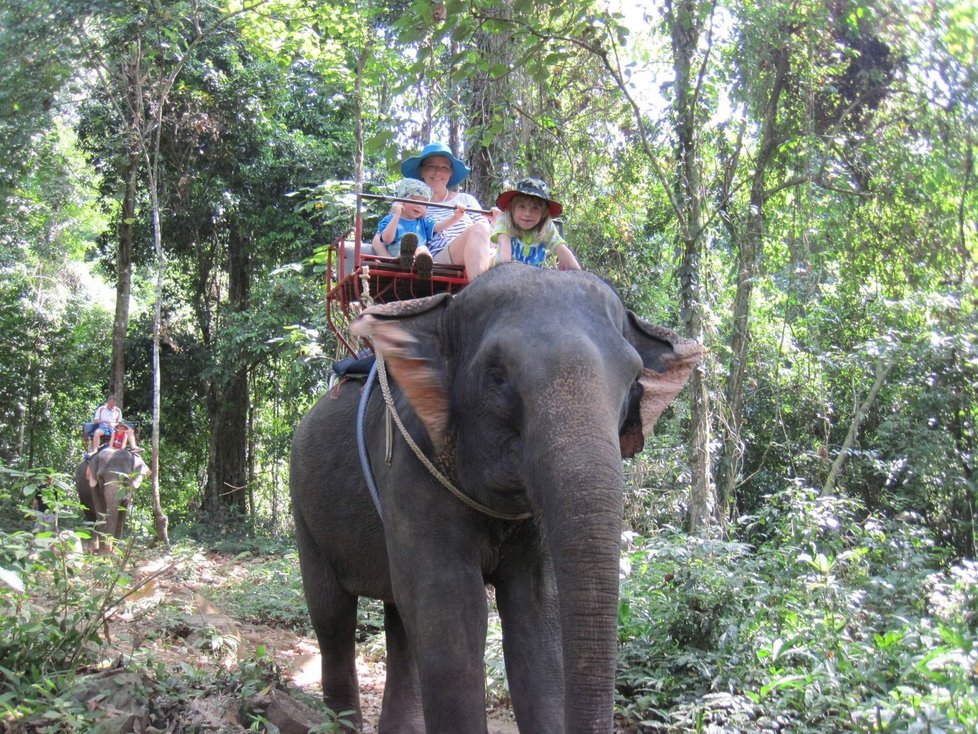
100	510
443	604
110	519
333	613
119	520
335	622
526	597
402	712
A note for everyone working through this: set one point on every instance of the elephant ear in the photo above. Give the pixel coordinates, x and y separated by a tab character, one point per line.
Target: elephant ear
95	467
668	360
407	335
137	470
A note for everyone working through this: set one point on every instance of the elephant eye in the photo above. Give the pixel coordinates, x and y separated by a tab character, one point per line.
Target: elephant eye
500	398
496	376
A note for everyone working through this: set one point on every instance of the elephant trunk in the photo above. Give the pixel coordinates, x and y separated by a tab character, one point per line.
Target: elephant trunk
113	508
580	495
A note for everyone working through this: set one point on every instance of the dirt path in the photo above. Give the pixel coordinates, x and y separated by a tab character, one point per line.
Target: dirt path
173	616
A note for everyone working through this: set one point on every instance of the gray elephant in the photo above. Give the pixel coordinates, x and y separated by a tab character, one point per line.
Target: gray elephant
523	392
105	483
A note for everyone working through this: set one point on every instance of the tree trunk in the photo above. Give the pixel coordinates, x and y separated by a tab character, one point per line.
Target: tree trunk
488	97
123	285
748	268
161	521
250	453
684	26
228	465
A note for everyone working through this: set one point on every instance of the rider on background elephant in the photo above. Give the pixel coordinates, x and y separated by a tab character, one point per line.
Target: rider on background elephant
105	483
107	417
524	391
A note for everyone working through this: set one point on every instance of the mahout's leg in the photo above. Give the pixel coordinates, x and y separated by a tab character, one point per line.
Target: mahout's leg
402	712
526	596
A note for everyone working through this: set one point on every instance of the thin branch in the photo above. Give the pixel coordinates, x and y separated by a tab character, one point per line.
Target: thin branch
614	69
882	371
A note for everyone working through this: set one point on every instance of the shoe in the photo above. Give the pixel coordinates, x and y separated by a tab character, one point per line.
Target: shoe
409	243
423	263
136	450
86	456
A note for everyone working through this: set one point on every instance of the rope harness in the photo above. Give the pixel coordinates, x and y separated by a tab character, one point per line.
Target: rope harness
379	368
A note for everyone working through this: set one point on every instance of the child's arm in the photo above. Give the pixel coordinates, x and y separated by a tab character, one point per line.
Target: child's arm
389	232
379	248
565	258
453	219
504	248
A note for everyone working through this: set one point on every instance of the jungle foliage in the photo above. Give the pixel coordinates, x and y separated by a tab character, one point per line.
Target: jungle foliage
793	183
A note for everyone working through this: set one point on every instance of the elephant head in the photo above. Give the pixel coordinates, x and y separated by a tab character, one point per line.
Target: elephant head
531	386
104	484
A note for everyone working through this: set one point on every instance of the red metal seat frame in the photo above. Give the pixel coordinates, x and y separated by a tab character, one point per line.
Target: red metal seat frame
374	279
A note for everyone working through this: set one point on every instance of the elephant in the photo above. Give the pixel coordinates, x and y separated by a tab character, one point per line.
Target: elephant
524	391
98	483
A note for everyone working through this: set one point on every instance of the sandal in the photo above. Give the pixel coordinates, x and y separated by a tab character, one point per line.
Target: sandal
409	243
423	264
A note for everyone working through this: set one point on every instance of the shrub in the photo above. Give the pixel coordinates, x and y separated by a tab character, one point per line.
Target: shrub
52	606
830	619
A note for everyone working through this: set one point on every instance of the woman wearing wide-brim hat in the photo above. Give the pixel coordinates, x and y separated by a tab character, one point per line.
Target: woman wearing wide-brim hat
465	241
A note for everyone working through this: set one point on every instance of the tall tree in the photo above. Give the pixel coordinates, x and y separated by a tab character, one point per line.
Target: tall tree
488	108
42	53
233	222
150	67
686	20
806	104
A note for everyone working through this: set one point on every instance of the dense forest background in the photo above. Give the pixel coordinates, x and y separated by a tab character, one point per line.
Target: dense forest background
791	182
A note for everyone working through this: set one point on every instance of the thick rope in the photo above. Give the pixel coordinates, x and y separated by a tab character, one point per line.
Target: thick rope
366	300
442	479
361	440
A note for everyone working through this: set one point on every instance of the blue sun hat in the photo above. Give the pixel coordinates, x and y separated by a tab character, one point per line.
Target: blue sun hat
411	167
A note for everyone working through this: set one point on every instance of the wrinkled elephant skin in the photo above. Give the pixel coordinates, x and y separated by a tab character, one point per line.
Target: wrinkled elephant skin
525	389
103	484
